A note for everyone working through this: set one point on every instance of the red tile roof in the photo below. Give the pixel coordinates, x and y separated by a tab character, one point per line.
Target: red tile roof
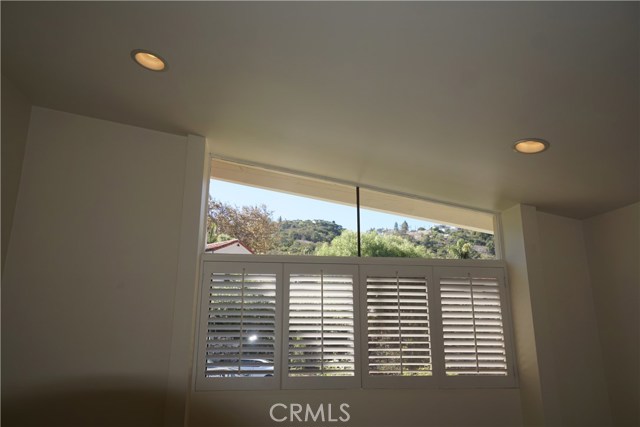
212	247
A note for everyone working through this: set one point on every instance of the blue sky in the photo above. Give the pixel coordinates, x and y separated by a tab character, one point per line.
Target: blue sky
295	207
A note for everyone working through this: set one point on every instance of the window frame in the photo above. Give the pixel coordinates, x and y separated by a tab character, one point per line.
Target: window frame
240	172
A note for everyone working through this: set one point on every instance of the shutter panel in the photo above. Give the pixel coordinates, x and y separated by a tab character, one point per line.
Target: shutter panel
472	323
398	327
321	332
241	326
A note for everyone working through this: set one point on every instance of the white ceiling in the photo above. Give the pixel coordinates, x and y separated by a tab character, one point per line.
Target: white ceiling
421	98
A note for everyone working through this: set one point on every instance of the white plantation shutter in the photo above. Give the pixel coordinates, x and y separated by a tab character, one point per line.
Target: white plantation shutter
241	327
397	325
473	314
239	333
269	325
321	333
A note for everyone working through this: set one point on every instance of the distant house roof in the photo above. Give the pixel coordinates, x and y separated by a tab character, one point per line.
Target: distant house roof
216	246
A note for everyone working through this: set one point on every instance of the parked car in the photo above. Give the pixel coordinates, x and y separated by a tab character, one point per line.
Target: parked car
246	368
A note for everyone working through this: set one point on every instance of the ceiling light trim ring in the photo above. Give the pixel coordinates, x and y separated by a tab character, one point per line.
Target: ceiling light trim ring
164	62
545	145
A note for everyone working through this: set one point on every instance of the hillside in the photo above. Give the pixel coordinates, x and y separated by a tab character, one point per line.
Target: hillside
306	237
256	228
302	237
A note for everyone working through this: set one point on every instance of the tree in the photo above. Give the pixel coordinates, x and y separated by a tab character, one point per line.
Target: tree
462	250
252	225
301	237
373	245
404	228
213	235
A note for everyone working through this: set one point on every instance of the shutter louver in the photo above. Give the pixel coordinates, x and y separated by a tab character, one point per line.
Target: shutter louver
473	330
241	327
321	325
398	331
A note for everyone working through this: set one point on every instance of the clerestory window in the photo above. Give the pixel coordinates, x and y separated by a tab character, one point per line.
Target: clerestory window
258	211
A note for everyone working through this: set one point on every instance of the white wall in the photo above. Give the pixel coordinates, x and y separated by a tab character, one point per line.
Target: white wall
367	408
573	349
521	249
559	353
89	282
614	263
16	110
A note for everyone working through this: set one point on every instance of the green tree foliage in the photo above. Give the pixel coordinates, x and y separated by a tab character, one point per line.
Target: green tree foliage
441	240
252	225
214	236
461	250
373	245
302	237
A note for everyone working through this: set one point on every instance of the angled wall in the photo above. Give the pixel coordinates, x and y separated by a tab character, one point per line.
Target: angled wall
575	349
88	288
613	241
562	381
16	110
520	246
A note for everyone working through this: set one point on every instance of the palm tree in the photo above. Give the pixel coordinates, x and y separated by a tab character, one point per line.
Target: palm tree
461	250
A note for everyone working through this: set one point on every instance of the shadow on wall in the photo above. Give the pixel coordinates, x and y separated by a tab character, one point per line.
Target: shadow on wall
87	402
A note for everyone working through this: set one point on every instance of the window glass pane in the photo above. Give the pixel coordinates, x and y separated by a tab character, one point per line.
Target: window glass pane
255	211
397	226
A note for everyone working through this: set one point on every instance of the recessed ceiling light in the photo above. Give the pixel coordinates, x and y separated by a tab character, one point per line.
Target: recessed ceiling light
150	61
531	145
